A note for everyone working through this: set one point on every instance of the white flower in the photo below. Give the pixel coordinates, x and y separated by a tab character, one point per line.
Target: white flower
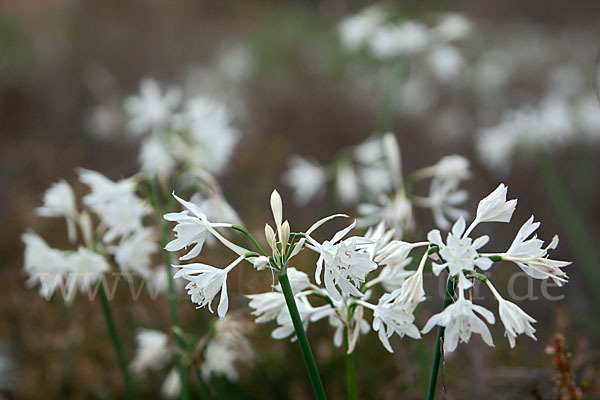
345	264
495	147
205	282
43	264
346	183
151	109
267	306
515	320
375	178
412	292
393	40
284	319
530	255
151	352
192	227
115	203
355	30
59	201
369	152
216	208
338	320
306	178
460	322
211	138
495	208
189	231
85	268
155	157
389	317
446	63
443	199
396	213
452	27
134	253
219	359
459	253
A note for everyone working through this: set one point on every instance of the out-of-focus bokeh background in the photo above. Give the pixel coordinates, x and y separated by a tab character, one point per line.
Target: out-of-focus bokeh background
512	86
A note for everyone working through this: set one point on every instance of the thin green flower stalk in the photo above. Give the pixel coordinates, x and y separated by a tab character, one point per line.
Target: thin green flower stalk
116	342
435	364
161	209
350	369
307	355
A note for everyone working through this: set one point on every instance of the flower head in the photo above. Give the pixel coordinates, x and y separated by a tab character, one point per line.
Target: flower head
59	201
205	282
460	322
459	252
495	207
530	255
345	264
390	316
151	109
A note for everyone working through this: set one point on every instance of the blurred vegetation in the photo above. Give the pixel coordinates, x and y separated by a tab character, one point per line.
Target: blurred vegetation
299	100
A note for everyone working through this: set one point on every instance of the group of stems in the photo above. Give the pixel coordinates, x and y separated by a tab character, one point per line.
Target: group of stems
174	316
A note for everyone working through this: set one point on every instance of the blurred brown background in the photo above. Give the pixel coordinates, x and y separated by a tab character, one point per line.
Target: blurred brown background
59	60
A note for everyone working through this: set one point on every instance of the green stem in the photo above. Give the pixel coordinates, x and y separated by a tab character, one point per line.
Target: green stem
114	337
350	369
202	384
571	220
307	355
164	231
435	365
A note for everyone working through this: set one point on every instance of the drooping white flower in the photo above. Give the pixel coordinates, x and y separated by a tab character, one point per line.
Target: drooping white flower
151	109
43	264
452	26
267	306
412	292
495	208
192	228
444	199
116	203
210	138
338	319
59	201
155	158
528	253
134	253
205	282
460	322
284	319
393	40
216	208
446	63
84	269
152	351
219	359
355	30
459	252
515	320
346	183
306	178
390	316
345	265
395	212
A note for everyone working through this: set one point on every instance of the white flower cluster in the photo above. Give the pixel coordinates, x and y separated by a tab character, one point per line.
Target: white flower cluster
347	264
385	38
220	350
196	132
372	173
120	233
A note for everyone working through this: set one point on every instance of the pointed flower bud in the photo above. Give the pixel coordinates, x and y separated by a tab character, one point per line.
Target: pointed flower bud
495	208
